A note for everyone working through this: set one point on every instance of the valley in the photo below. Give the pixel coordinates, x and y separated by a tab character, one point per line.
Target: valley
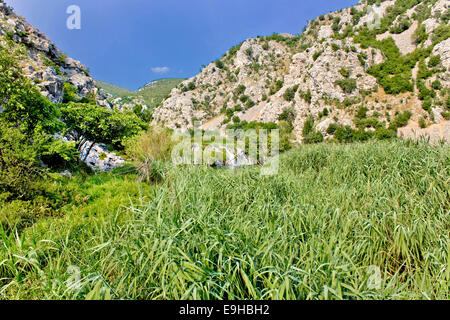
354	109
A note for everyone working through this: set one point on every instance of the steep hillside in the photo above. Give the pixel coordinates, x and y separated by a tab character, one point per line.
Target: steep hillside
149	96
374	67
46	65
111	89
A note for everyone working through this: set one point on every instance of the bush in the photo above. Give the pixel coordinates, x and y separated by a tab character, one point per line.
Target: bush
332	128
436	85
313	137
434	61
420	35
276	87
347	85
307	96
219	64
289	94
402	25
317	54
69	93
239	90
400	120
287	115
344	134
441	33
345	72
362	112
424	72
147	149
422	123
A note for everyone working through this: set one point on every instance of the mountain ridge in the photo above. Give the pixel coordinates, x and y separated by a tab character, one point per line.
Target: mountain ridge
337	66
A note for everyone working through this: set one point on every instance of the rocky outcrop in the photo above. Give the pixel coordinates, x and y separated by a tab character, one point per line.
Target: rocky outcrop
100	159
326	69
44	63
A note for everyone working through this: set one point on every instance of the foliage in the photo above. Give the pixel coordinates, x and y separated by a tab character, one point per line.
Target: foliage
147	149
347	85
28	125
287	115
289	94
89	123
400	120
434	61
310	135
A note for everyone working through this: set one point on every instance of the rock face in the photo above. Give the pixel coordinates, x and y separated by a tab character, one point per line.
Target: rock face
99	158
324	67
46	65
49	69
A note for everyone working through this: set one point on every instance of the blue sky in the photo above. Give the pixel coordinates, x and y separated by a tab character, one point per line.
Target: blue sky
129	43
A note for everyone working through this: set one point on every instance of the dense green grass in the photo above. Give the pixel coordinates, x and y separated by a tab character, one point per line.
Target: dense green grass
309	232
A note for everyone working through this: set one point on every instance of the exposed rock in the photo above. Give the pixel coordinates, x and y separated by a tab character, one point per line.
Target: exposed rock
100	158
45	63
318	64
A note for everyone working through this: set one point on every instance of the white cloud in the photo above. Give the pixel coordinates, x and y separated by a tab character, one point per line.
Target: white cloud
160	70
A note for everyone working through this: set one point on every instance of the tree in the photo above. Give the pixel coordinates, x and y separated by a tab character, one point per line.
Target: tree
90	124
28	124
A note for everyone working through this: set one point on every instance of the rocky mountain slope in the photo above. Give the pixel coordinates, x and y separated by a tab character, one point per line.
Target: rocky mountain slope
360	67
46	65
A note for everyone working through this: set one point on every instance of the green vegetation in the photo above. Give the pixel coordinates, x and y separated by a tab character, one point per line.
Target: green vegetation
206	233
113	90
310	135
28	124
289	94
152	95
154	230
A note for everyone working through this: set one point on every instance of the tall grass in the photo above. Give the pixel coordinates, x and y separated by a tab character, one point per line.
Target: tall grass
310	232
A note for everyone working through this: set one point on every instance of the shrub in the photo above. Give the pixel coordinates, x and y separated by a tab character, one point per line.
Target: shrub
446	115
362	112
289	94
427	103
276	87
313	137
424	72
434	61
307	96
69	93
441	33
317	54
219	64
147	149
345	72
420	35
347	85
400	120
343	134
240	90
436	85
287	115
422	123
402	25
332	128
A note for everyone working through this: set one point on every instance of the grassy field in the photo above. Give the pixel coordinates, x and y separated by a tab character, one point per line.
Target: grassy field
313	231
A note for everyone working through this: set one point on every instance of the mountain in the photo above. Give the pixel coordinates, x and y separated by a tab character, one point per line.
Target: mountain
111	89
377	66
46	65
149	96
